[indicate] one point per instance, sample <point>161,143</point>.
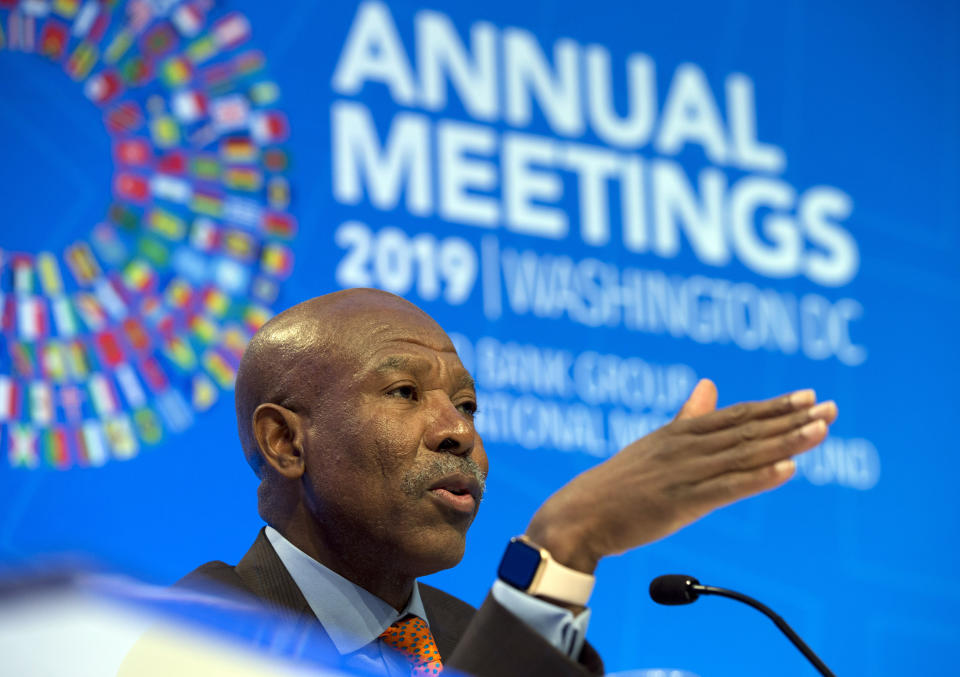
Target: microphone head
<point>674,589</point>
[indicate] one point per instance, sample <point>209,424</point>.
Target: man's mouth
<point>459,492</point>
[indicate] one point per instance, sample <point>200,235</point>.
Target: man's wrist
<point>564,541</point>
<point>531,568</point>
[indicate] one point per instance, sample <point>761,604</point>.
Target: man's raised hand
<point>704,459</point>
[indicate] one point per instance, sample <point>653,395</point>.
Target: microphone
<point>674,589</point>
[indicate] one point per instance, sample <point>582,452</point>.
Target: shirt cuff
<point>554,623</point>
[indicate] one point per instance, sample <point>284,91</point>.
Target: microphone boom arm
<point>769,613</point>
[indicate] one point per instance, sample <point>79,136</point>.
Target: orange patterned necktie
<point>411,637</point>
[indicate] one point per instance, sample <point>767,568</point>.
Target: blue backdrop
<point>602,203</point>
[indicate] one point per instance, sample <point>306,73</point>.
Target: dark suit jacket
<point>489,641</point>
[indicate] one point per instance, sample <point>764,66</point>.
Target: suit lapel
<point>448,618</point>
<point>264,574</point>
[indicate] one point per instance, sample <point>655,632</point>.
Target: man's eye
<point>469,408</point>
<point>405,392</point>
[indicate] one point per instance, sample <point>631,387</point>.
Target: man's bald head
<point>293,356</point>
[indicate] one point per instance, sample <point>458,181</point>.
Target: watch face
<point>519,565</point>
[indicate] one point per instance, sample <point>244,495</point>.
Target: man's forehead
<point>415,356</point>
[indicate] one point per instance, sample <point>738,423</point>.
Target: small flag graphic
<point>218,367</point>
<point>276,260</point>
<point>82,264</point>
<point>77,360</point>
<point>215,301</point>
<point>133,152</point>
<point>48,270</point>
<point>264,93</point>
<point>238,244</point>
<point>247,179</point>
<point>63,316</point>
<point>41,403</point>
<point>71,401</point>
<point>81,61</point>
<point>269,127</point>
<point>31,317</point>
<point>188,19</point>
<point>180,353</point>
<point>205,166</point>
<point>176,71</point>
<point>22,452</point>
<point>148,425</point>
<point>204,235</point>
<point>167,224</point>
<point>102,395</point>
<point>189,106</point>
<point>130,386</point>
<point>170,188</point>
<point>90,310</point>
<point>204,392</point>
<point>278,192</point>
<point>109,349</point>
<point>125,117</point>
<point>107,244</point>
<point>118,46</point>
<point>55,448</point>
<point>153,375</point>
<point>103,87</point>
<point>136,335</point>
<point>121,437</point>
<point>159,40</point>
<point>139,276</point>
<point>276,159</point>
<point>175,411</point>
<point>203,329</point>
<point>91,447</point>
<point>174,162</point>
<point>164,131</point>
<point>230,112</point>
<point>201,49</point>
<point>178,293</point>
<point>9,399</point>
<point>238,149</point>
<point>136,71</point>
<point>231,30</point>
<point>52,362</point>
<point>131,187</point>
<point>279,224</point>
<point>53,39</point>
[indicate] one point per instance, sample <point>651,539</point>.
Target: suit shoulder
<point>216,572</point>
<point>434,597</point>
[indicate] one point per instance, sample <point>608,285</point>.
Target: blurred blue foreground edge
<point>80,624</point>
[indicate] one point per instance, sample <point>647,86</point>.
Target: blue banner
<point>601,204</point>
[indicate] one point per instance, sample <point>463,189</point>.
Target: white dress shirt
<point>354,618</point>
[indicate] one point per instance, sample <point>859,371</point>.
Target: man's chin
<point>438,551</point>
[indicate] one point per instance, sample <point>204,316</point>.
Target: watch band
<point>558,582</point>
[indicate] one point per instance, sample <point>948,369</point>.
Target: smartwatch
<point>530,568</point>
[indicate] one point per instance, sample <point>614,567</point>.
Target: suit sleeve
<point>498,644</point>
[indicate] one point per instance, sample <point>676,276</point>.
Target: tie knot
<point>412,637</point>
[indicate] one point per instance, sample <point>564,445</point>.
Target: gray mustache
<point>415,482</point>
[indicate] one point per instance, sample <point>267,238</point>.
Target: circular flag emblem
<point>136,326</point>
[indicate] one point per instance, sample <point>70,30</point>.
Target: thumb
<point>702,400</point>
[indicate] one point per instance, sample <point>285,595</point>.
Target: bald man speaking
<point>356,414</point>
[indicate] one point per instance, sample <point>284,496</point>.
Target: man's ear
<point>280,437</point>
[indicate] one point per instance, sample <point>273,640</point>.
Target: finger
<point>739,414</point>
<point>702,400</point>
<point>761,453</point>
<point>762,429</point>
<point>734,486</point>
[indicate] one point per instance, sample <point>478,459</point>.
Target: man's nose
<point>449,430</point>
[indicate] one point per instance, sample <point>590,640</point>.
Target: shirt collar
<point>351,616</point>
